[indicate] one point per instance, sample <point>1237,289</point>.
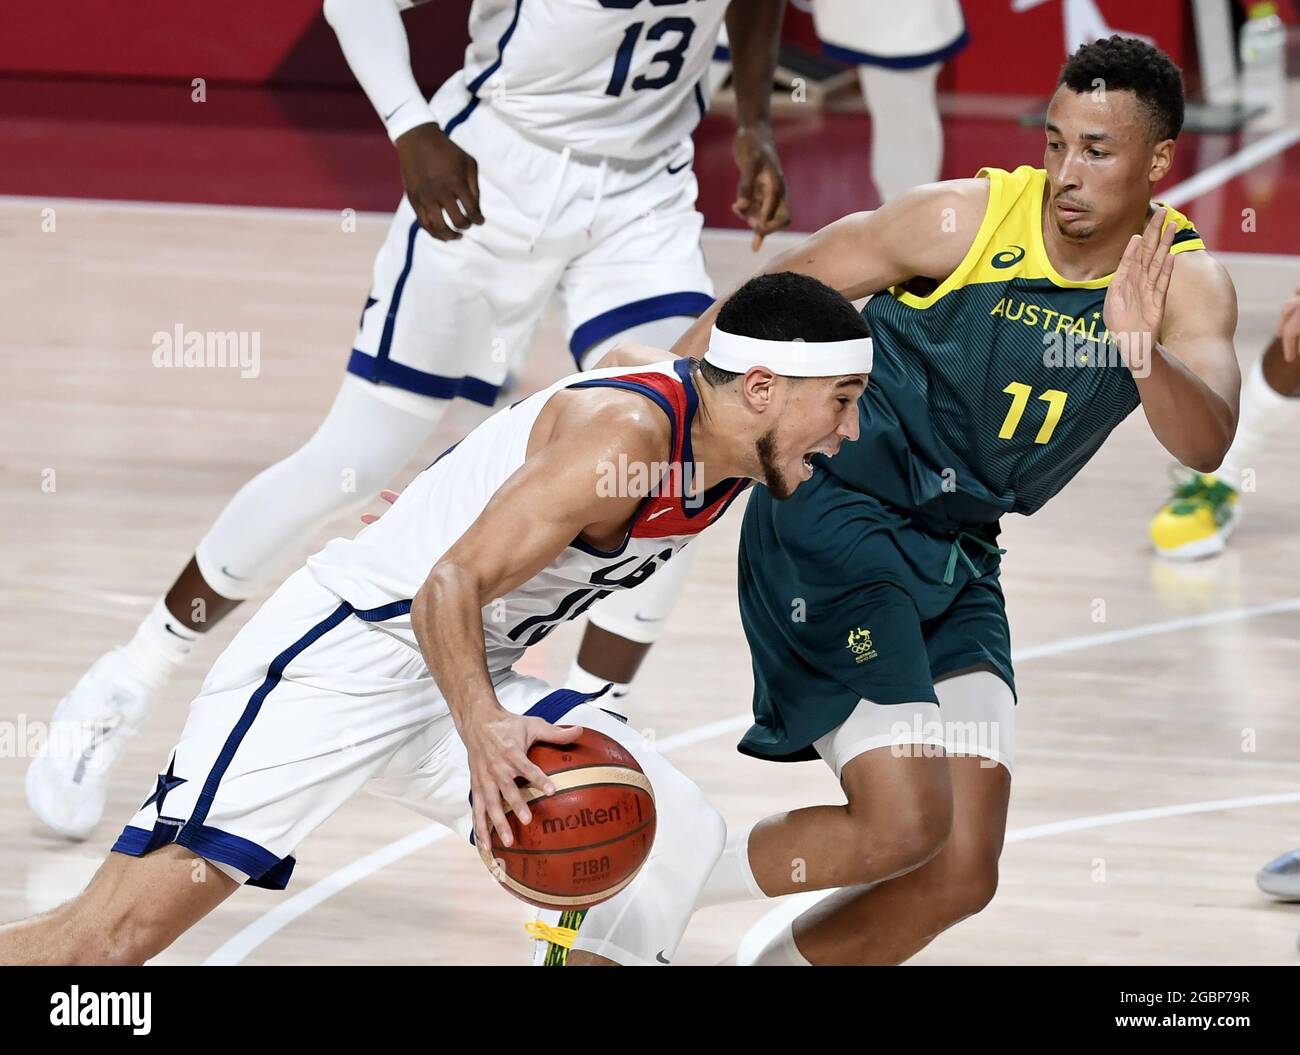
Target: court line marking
<point>1220,172</point>
<point>790,906</point>
<point>254,934</point>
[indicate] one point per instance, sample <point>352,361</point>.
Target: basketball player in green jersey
<point>1025,315</point>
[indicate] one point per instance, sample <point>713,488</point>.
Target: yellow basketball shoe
<point>1198,519</point>
<point>554,939</point>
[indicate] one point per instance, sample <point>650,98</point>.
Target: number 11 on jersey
<point>1020,393</point>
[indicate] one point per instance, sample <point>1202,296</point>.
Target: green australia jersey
<point>993,389</point>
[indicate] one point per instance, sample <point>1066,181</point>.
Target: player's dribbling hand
<point>439,178</point>
<point>1135,300</point>
<point>760,198</point>
<point>1288,328</point>
<point>498,753</point>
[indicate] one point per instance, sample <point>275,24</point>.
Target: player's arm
<point>754,37</point>
<point>1174,317</point>
<point>926,231</point>
<point>552,498</point>
<point>438,176</point>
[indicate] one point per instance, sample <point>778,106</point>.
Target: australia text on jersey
<point>1074,340</point>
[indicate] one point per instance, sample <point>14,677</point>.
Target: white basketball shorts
<point>311,701</point>
<point>897,36</point>
<point>618,242</point>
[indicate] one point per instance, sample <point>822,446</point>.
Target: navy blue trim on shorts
<point>395,301</point>
<point>555,705</point>
<point>436,386</point>
<point>379,368</point>
<point>625,316</point>
<point>699,100</point>
<point>261,866</point>
<point>273,675</point>
<point>896,62</point>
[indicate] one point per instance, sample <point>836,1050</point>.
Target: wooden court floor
<point>1159,726</point>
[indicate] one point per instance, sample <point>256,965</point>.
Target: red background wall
<point>278,42</point>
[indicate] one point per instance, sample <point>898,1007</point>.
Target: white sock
<point>1264,411</point>
<point>732,879</point>
<point>781,951</point>
<point>584,681</point>
<point>160,645</point>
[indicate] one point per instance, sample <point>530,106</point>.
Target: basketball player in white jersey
<point>389,658</point>
<point>557,161</point>
<point>899,50</point>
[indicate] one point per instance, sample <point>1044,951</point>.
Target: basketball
<point>587,841</point>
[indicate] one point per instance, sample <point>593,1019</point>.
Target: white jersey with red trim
<point>380,570</point>
<point>625,79</point>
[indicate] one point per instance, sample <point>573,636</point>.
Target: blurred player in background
<point>557,161</point>
<point>1205,508</point>
<point>899,50</point>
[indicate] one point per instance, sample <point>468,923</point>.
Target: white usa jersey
<point>624,79</point>
<point>380,570</point>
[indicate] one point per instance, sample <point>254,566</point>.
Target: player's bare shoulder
<point>606,420</point>
<point>941,222</point>
<point>1202,296</point>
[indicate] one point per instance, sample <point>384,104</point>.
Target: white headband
<point>731,351</point>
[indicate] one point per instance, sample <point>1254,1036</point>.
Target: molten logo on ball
<point>584,817</point>
<point>588,840</point>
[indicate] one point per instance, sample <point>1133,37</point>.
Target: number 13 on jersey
<point>1020,393</point>
<point>674,33</point>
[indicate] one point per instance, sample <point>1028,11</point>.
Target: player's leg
<point>890,921</point>
<point>906,133</point>
<point>897,816</point>
<point>133,908</point>
<point>898,56</point>
<point>1205,508</point>
<point>642,279</point>
<point>306,704</point>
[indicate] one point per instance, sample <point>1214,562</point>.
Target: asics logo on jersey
<point>1009,257</point>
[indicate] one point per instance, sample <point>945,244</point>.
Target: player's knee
<point>897,835</point>
<point>906,843</point>
<point>689,823</point>
<point>966,884</point>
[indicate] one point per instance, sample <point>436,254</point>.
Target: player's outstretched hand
<point>441,182</point>
<point>760,198</point>
<point>1288,328</point>
<point>498,753</point>
<point>388,496</point>
<point>1135,301</point>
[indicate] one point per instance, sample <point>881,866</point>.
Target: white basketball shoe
<point>67,781</point>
